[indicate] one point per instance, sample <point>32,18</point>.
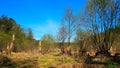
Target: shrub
<point>4,60</point>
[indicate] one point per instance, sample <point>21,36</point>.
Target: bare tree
<point>61,36</point>
<point>71,23</point>
<point>62,33</point>
<point>102,18</point>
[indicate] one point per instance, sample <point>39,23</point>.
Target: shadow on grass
<point>107,64</point>
<point>113,62</point>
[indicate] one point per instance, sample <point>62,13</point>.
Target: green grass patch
<point>66,60</point>
<point>56,54</point>
<point>43,59</point>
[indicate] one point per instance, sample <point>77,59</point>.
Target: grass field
<point>51,60</point>
<point>30,60</point>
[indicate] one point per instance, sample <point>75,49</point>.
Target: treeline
<point>24,40</point>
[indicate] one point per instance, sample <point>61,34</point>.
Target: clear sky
<point>43,16</point>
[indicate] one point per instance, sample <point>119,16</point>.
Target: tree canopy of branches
<point>61,35</point>
<point>101,16</point>
<point>71,24</point>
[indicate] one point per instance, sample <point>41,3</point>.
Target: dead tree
<point>9,47</point>
<point>112,51</point>
<point>11,44</point>
<point>40,46</point>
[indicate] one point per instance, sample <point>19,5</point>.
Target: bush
<point>4,60</point>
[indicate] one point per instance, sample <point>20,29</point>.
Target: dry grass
<point>35,60</point>
<point>51,60</point>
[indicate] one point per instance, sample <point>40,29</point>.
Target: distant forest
<point>23,37</point>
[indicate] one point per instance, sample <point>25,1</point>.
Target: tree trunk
<point>69,32</point>
<point>10,46</point>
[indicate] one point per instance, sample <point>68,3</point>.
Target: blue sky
<point>43,16</point>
